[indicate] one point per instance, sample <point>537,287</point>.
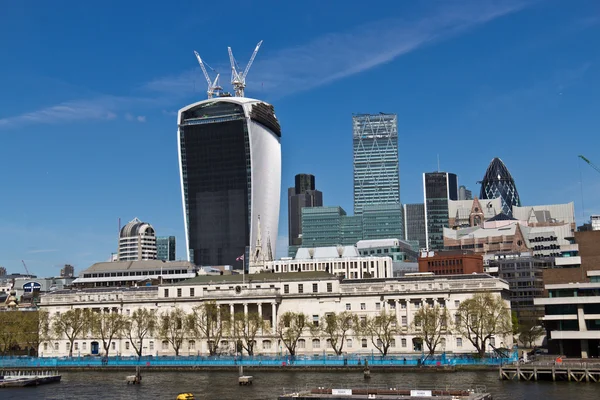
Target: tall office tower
<point>137,241</point>
<point>165,248</point>
<point>498,182</point>
<point>376,174</point>
<point>414,221</point>
<point>302,195</point>
<point>230,165</point>
<point>382,221</point>
<point>67,272</point>
<point>464,193</point>
<point>438,188</point>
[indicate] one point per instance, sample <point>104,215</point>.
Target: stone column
<point>398,316</point>
<point>245,310</point>
<point>259,305</point>
<point>274,317</point>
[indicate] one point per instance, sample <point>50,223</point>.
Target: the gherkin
<point>498,182</point>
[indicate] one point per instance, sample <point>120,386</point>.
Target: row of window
<point>137,273</point>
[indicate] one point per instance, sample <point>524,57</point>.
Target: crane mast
<point>591,164</point>
<point>238,78</point>
<point>213,86</point>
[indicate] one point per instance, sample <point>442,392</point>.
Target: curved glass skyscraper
<point>230,165</point>
<point>498,182</point>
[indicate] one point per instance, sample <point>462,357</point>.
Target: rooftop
<point>257,278</point>
<point>145,265</point>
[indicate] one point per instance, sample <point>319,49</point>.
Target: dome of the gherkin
<point>498,182</point>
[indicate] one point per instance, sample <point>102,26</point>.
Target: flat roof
<point>255,278</point>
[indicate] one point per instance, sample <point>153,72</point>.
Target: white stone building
<point>270,295</point>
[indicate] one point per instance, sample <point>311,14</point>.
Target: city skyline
<point>503,76</point>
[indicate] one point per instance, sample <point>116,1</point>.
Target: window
<point>393,343</point>
<point>126,345</point>
<point>493,341</point>
<point>301,344</point>
<point>178,292</point>
<point>45,346</point>
<point>68,346</point>
<point>363,343</point>
<point>457,319</point>
<point>165,345</point>
<point>348,307</point>
<point>316,343</point>
<point>363,306</point>
<point>363,321</point>
<point>315,287</point>
<point>151,345</point>
<point>403,342</point>
<point>166,293</point>
<point>192,345</point>
<point>329,287</point>
<point>458,342</point>
<point>192,292</point>
<point>84,346</point>
<point>403,305</point>
<point>417,304</point>
<point>286,289</point>
<point>266,344</point>
<point>404,320</point>
<point>456,303</point>
<point>56,346</point>
<point>315,320</point>
<point>348,342</point>
<point>300,288</point>
<point>378,306</point>
<point>76,346</point>
<point>114,345</point>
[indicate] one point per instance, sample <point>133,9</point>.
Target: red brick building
<point>451,262</point>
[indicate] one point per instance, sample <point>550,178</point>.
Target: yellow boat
<point>185,396</point>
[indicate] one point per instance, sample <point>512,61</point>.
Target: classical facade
<point>270,296</point>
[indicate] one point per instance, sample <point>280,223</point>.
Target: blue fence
<point>228,361</point>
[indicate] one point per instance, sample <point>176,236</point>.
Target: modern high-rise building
<point>438,188</point>
<point>230,166</point>
<point>498,182</point>
<point>376,173</point>
<point>321,226</point>
<point>67,272</point>
<point>137,241</point>
<point>382,221</point>
<point>165,248</point>
<point>464,193</point>
<point>414,222</point>
<point>302,195</point>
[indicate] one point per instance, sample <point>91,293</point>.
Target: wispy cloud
<point>139,118</point>
<point>323,60</point>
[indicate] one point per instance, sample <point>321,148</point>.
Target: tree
<point>245,328</point>
<point>71,324</point>
<point>290,328</point>
<point>108,326</point>
<point>530,331</point>
<point>336,328</point>
<point>34,329</point>
<point>208,321</point>
<point>482,316</point>
<point>430,323</point>
<point>138,326</point>
<point>382,329</point>
<point>173,328</point>
<point>9,330</point>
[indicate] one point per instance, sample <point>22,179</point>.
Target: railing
<point>256,361</point>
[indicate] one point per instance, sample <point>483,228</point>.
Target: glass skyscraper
<point>230,165</point>
<point>376,174</point>
<point>302,195</point>
<point>498,182</point>
<point>165,248</point>
<point>382,221</point>
<point>438,188</point>
<point>414,221</point>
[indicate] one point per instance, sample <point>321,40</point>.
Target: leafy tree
<point>34,329</point>
<point>245,328</point>
<point>430,323</point>
<point>208,321</point>
<point>482,316</point>
<point>530,331</point>
<point>9,330</point>
<point>382,329</point>
<point>72,324</point>
<point>108,326</point>
<point>173,328</point>
<point>141,323</point>
<point>336,328</point>
<point>290,328</point>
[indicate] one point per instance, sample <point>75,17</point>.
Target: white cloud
<point>141,118</point>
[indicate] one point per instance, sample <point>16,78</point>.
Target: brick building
<point>450,262</point>
<point>589,259</point>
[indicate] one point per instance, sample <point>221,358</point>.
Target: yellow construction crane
<point>590,163</point>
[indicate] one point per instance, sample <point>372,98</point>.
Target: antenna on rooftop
<point>213,86</point>
<point>238,78</point>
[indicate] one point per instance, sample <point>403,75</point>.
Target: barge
<point>28,378</point>
<point>375,393</point>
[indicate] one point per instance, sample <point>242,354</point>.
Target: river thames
<point>268,385</point>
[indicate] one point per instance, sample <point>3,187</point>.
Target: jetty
<point>569,371</point>
<point>386,393</point>
<point>27,378</point>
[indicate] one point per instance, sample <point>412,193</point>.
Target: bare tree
<point>108,326</point>
<point>430,323</point>
<point>245,328</point>
<point>173,328</point>
<point>71,324</point>
<point>530,331</point>
<point>482,316</point>
<point>208,321</point>
<point>336,328</point>
<point>290,328</point>
<point>141,323</point>
<point>382,329</point>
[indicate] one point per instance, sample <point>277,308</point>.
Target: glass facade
<point>351,230</point>
<point>321,226</point>
<point>414,220</point>
<point>302,195</point>
<point>439,187</point>
<point>215,166</point>
<point>498,182</point>
<point>382,221</point>
<point>376,174</point>
<point>165,248</point>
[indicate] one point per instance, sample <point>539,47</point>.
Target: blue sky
<point>88,96</point>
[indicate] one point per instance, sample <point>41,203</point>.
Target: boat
<point>387,393</point>
<point>185,396</point>
<point>28,378</point>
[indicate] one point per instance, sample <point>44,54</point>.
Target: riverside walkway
<point>567,370</point>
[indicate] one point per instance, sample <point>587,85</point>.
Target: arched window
<point>151,345</point>
<point>165,345</point>
<point>192,345</point>
<point>301,344</point>
<point>316,343</point>
<point>266,344</point>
